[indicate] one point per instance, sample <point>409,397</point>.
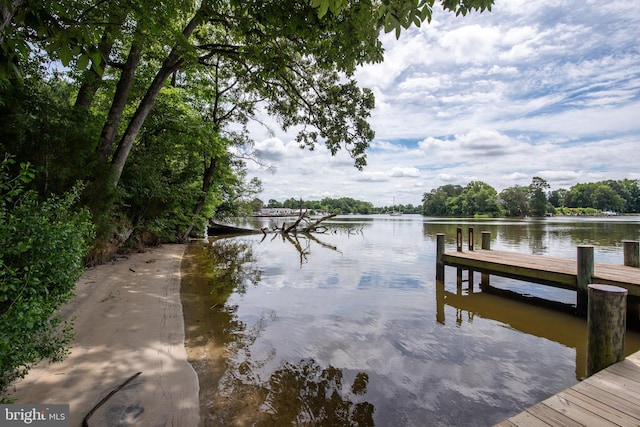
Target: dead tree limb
<point>315,225</point>
<point>295,224</point>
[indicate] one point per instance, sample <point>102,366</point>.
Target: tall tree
<point>515,200</point>
<point>538,196</point>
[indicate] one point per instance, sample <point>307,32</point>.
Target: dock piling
<point>471,238</point>
<point>459,239</point>
<point>606,326</point>
<point>630,248</point>
<point>439,256</point>
<point>584,274</point>
<point>486,240</point>
<point>486,245</point>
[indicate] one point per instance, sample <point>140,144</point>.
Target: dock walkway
<point>607,398</point>
<point>558,272</point>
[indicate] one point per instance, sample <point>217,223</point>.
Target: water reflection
<point>342,328</point>
<point>530,319</point>
<point>306,394</point>
<point>551,236</point>
<point>220,349</point>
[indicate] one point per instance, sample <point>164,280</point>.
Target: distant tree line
<point>343,205</point>
<point>480,199</point>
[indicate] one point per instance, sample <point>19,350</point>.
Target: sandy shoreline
<point>128,319</point>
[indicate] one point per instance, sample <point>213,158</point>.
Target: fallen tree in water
<point>307,227</point>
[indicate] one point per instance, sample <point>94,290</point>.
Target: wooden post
<point>459,239</point>
<point>630,248</point>
<point>439,256</point>
<point>584,275</point>
<point>486,240</point>
<point>606,325</point>
<point>631,259</point>
<point>486,245</point>
<point>440,301</point>
<point>471,238</point>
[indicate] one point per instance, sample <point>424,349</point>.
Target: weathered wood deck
<point>558,272</point>
<point>611,397</point>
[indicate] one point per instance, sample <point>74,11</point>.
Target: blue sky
<point>549,89</point>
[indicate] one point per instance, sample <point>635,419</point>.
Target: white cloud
<point>398,172</point>
<point>548,89</point>
<point>471,43</point>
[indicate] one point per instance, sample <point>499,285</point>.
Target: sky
<point>533,88</point>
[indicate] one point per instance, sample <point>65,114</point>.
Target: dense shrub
<point>42,244</point>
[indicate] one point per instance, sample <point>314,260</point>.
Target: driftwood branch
<point>85,420</point>
<point>295,224</point>
<point>316,224</point>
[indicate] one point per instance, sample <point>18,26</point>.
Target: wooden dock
<point>558,272</point>
<point>609,398</point>
<point>573,274</point>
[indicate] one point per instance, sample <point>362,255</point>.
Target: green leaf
<point>65,55</point>
<point>323,9</point>
<point>83,61</point>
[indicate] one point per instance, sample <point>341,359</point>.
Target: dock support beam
<point>486,245</point>
<point>439,257</point>
<point>630,248</point>
<point>606,325</point>
<point>486,240</point>
<point>585,266</point>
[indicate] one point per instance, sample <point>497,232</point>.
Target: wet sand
<point>128,319</point>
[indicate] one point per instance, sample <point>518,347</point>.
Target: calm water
<point>350,328</point>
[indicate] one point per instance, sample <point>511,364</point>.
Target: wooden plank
<point>576,412</point>
<point>526,419</point>
<point>607,411</point>
<point>608,406</point>
<point>506,423</point>
<point>609,398</point>
<point>558,272</point>
<point>626,369</point>
<point>619,385</point>
<point>606,397</point>
<point>529,267</point>
<point>619,273</point>
<point>634,358</point>
<point>551,416</point>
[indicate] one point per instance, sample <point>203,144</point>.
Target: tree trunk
<point>93,76</point>
<point>206,186</point>
<point>7,14</point>
<point>119,101</point>
<point>171,64</point>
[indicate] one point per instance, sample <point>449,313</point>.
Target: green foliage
<point>201,69</point>
<point>164,177</point>
<point>343,205</point>
<point>617,196</point>
<point>43,244</point>
<point>399,15</point>
<point>538,196</point>
<point>60,27</point>
<point>435,202</point>
<point>515,201</point>
<point>577,211</point>
<point>581,199</point>
<point>40,126</point>
<point>477,198</point>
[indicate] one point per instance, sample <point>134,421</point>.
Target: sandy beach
<point>128,319</point>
